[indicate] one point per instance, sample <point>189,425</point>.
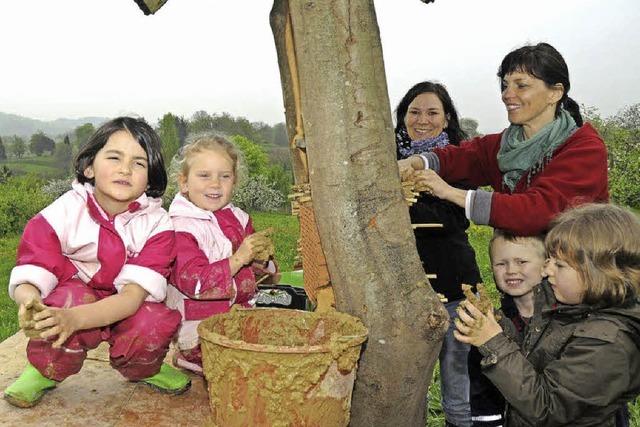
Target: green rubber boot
<point>169,380</point>
<point>29,388</point>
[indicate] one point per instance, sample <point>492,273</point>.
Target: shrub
<point>20,199</point>
<point>55,188</point>
<point>257,193</point>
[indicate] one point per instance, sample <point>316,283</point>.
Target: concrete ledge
<point>99,396</point>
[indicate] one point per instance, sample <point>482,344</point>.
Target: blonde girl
<point>216,247</point>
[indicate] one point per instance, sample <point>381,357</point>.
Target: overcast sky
<point>74,58</point>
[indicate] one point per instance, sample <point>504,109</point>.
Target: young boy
<point>517,264</point>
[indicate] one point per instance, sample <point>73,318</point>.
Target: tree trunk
<point>362,218</point>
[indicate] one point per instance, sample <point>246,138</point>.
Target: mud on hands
<point>476,323</point>
<point>26,320</point>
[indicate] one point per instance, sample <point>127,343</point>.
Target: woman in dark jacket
<point>426,119</point>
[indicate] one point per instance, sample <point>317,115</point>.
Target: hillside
<point>13,124</point>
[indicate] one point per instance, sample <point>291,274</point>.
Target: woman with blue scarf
<point>426,119</point>
<point>546,161</point>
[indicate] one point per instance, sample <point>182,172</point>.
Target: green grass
<point>285,235</point>
<point>8,309</point>
<point>44,166</point>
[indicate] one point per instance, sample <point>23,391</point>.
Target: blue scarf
<point>407,147</point>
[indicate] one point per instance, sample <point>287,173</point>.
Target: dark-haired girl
<point>426,119</point>
<point>92,267</point>
<point>544,163</point>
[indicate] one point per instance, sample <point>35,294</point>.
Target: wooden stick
<point>262,279</point>
<point>414,226</point>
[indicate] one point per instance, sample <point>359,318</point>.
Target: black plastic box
<point>281,296</point>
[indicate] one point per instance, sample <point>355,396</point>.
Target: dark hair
<point>543,62</point>
<point>453,130</point>
<point>141,132</point>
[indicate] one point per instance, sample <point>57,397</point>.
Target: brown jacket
<point>577,366</point>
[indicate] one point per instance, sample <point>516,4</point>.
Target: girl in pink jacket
<point>92,267</point>
<point>215,265</point>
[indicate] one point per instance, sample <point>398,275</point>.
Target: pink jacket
<point>201,280</point>
<point>74,238</point>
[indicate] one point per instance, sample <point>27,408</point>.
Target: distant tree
<point>66,140</point>
<point>63,154</point>
<point>168,132</point>
<point>39,143</point>
<point>182,125</point>
<point>19,147</point>
<point>621,134</point>
<point>254,156</point>
<point>280,134</point>
<point>264,131</point>
<point>258,132</point>
<point>282,179</point>
<point>470,127</point>
<point>82,134</point>
<point>200,122</point>
<point>3,153</point>
<point>629,118</point>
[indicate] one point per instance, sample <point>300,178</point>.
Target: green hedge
<point>20,199</point>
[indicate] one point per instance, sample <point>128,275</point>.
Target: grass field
<point>44,166</point>
<point>286,235</point>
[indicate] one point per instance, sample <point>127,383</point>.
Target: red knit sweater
<point>576,174</point>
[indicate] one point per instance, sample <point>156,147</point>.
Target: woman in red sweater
<point>546,161</point>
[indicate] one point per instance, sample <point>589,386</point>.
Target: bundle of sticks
<point>411,189</point>
<point>300,193</point>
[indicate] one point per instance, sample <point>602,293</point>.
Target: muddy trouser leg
<point>454,375</point>
<point>140,343</point>
<point>59,363</point>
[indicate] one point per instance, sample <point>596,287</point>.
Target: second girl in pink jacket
<point>215,243</point>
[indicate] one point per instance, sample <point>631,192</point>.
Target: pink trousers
<point>138,344</point>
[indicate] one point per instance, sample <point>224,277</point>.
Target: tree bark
<point>362,217</point>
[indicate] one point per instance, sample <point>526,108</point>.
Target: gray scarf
<point>518,155</point>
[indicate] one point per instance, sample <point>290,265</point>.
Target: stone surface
<point>99,396</point>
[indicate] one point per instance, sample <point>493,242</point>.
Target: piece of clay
<point>483,302</point>
<point>27,323</point>
<point>269,250</point>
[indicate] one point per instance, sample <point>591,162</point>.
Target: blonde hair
<point>199,143</point>
<point>536,241</point>
<point>602,243</point>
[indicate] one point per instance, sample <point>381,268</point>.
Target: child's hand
<point>266,275</point>
<point>56,321</point>
<point>26,312</point>
<point>474,327</point>
<point>250,247</point>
